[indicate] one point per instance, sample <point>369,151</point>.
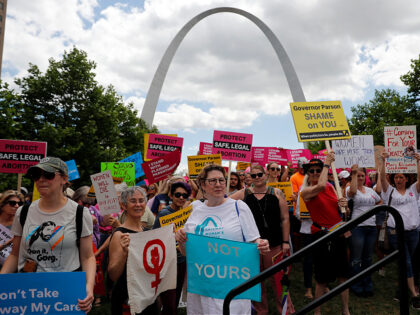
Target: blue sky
<point>225,75</point>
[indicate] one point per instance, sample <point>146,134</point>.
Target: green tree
<point>389,108</point>
<point>79,118</point>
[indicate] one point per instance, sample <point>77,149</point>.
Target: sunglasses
<point>178,195</point>
<point>316,170</point>
<point>37,173</point>
<point>258,174</point>
<point>14,203</point>
<point>274,169</point>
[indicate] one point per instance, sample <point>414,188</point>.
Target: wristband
<point>326,165</point>
<point>285,242</point>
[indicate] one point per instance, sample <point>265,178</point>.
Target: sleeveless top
<point>267,215</point>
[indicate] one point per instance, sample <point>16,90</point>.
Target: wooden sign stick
<point>336,182</point>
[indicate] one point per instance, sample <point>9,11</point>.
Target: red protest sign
<point>205,148</point>
<point>160,145</point>
<point>232,146</point>
<point>264,155</point>
<point>259,155</point>
<point>16,156</point>
<point>160,168</point>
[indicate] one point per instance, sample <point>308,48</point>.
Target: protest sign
<point>178,218</point>
<point>294,155</point>
<point>5,237</point>
<point>42,292</point>
<point>319,157</point>
<point>379,149</point>
<point>160,145</point>
<point>259,155</point>
<point>73,172</point>
<point>151,266</point>
<point>197,162</point>
<point>215,266</point>
<point>401,145</point>
<point>205,148</point>
<point>357,150</point>
<point>16,156</point>
<point>232,146</point>
<point>303,210</point>
<point>160,168</point>
<point>242,166</point>
<point>137,159</point>
<point>287,189</point>
<point>315,121</point>
<point>277,155</point>
<point>146,142</point>
<point>105,192</point>
<point>124,170</point>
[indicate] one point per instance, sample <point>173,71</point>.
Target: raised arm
<point>353,184</point>
<point>384,181</point>
<point>310,192</point>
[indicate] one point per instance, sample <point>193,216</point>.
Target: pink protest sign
<point>319,157</point>
<point>294,155</point>
<point>205,148</point>
<point>160,168</point>
<point>160,145</point>
<point>276,155</point>
<point>16,156</point>
<point>232,146</point>
<point>401,144</point>
<point>259,155</point>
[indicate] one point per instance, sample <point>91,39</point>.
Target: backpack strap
<point>237,212</point>
<point>79,224</point>
<point>24,214</point>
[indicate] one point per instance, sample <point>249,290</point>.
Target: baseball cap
<point>50,164</point>
<point>343,174</point>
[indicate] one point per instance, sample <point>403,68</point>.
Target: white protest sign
<point>5,236</point>
<point>357,150</point>
<point>401,145</point>
<point>105,192</point>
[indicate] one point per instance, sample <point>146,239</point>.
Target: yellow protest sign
<point>197,162</point>
<point>286,188</point>
<point>146,143</point>
<point>303,211</point>
<point>35,193</point>
<point>178,218</point>
<point>242,166</point>
<point>315,121</point>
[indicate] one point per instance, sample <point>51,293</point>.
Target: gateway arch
<point>153,94</point>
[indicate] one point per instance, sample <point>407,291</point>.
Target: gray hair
<point>121,187</point>
<point>127,193</point>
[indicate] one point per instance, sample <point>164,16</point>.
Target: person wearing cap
<point>345,179</point>
<point>32,242</point>
<point>330,259</point>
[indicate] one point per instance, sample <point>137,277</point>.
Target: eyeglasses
<point>213,181</point>
<point>14,203</point>
<point>258,174</point>
<point>178,195</point>
<point>274,169</point>
<point>316,170</point>
<point>37,173</point>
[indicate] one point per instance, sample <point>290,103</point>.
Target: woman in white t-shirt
<point>363,237</point>
<point>47,239</point>
<point>404,198</point>
<point>218,217</point>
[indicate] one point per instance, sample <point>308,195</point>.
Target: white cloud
<point>337,48</point>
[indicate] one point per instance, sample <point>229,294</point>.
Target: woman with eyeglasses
<point>54,250</point>
<point>330,260</point>
<point>271,214</point>
<point>234,222</point>
<point>133,201</point>
<point>179,194</point>
<point>10,201</point>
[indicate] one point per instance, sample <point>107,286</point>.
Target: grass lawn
<point>381,303</point>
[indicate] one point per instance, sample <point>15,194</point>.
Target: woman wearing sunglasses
<point>219,217</point>
<point>179,194</point>
<point>273,173</point>
<point>330,260</point>
<point>271,215</point>
<point>10,201</point>
<point>55,250</point>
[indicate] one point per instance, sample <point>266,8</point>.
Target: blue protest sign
<point>73,172</point>
<point>215,266</point>
<point>137,159</point>
<point>42,292</point>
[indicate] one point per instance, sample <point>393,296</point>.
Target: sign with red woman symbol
<point>154,259</point>
<point>151,266</point>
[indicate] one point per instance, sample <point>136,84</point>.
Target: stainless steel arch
<point>152,97</point>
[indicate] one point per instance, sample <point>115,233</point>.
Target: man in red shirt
<point>330,260</point>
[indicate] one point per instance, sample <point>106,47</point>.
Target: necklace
<point>262,210</point>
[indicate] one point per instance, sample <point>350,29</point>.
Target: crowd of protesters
<point>99,246</point>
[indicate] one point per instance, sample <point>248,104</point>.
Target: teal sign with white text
<point>215,266</point>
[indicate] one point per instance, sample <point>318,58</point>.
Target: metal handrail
<point>400,252</point>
